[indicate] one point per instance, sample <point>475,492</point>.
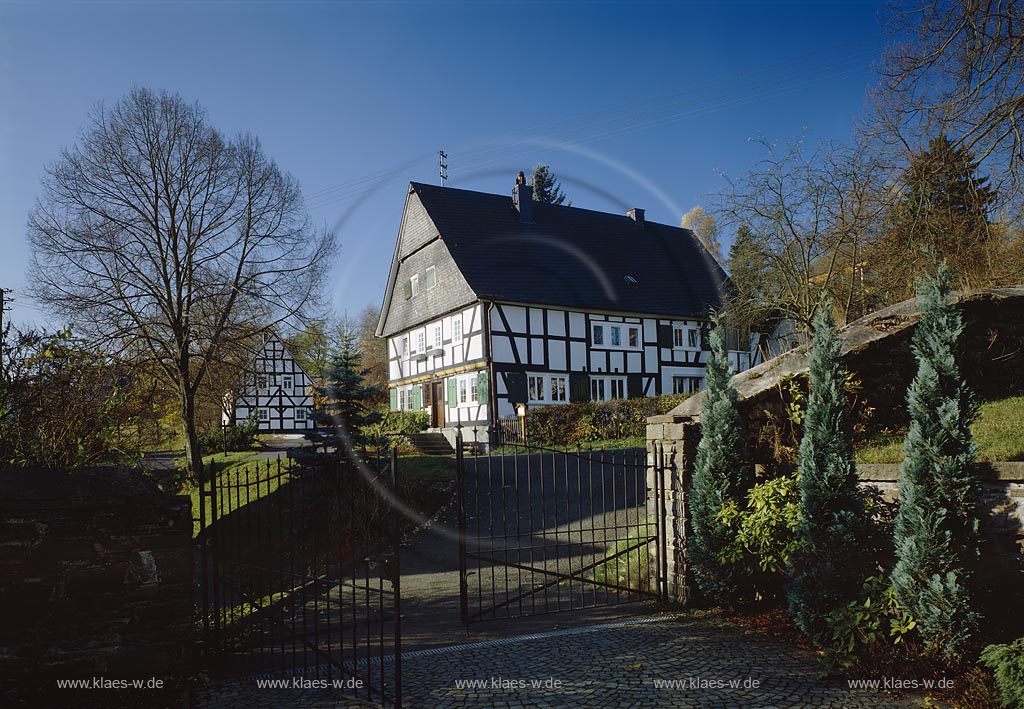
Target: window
<point>616,336</point>
<point>634,337</point>
<point>437,336</point>
<point>686,385</point>
<point>299,414</point>
<point>405,347</point>
<point>287,382</point>
<point>467,389</point>
<point>598,338</point>
<point>403,400</point>
<point>457,328</point>
<point>430,280</point>
<point>692,338</point>
<point>677,337</point>
<point>597,389</point>
<point>421,342</point>
<point>263,414</point>
<point>558,388</point>
<point>414,285</point>
<point>618,388</point>
<point>536,387</point>
<point>261,382</point>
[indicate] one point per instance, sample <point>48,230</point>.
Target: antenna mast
<point>441,157</point>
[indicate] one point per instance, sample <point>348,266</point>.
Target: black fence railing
<point>547,531</point>
<point>300,573</point>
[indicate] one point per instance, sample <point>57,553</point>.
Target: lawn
<point>997,430</point>
<point>605,444</point>
<point>224,466</point>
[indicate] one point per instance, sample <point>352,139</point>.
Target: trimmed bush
<point>936,533</point>
<point>239,437</point>
<point>579,422</point>
<point>722,474</point>
<point>824,569</point>
<point>1007,664</point>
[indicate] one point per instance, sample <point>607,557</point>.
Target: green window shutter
<point>453,393</point>
<point>515,383</point>
<point>417,397</point>
<point>483,387</point>
<point>394,399</point>
<point>579,386</point>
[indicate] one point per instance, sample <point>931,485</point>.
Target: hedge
<point>568,424</point>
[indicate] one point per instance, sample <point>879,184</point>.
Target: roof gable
<point>573,257</point>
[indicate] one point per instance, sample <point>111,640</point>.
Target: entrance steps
<point>431,443</point>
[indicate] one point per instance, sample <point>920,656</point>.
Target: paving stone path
<point>714,664</point>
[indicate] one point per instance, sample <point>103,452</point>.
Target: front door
<point>437,404</point>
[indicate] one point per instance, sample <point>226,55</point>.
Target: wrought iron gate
<point>300,573</point>
<point>547,531</point>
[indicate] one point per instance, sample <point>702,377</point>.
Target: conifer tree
<point>348,396</point>
<point>546,187</point>
<point>936,532</point>
<point>722,472</point>
<point>823,569</point>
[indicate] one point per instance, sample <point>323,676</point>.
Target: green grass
<point>223,466</point>
<point>426,468</point>
<point>631,569</point>
<point>998,431</point>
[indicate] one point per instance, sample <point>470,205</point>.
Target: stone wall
<point>96,575</point>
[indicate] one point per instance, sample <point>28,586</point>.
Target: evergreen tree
<point>936,531</point>
<point>546,187</point>
<point>347,395</point>
<point>748,271</point>
<point>824,572</point>
<point>722,472</point>
<point>942,216</point>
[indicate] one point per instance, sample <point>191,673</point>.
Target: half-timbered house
<point>274,391</point>
<point>493,302</point>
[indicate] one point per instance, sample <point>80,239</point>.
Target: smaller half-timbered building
<point>274,391</point>
<point>494,302</point>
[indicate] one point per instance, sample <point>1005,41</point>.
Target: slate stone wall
<point>96,573</point>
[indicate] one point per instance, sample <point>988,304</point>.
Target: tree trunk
<point>193,456</point>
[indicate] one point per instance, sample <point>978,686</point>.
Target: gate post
<point>460,503</point>
<point>396,576</point>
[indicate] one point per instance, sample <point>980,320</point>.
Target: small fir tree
<point>722,475</point>
<point>936,533</point>
<point>546,187</point>
<point>347,395</point>
<point>824,572</point>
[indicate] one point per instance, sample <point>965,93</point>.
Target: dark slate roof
<point>573,257</point>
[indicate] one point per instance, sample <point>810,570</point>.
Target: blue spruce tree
<point>936,533</point>
<point>348,397</point>
<point>722,472</point>
<point>823,567</point>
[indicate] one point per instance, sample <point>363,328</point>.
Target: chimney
<point>636,214</point>
<point>522,198</point>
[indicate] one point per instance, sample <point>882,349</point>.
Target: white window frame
<point>428,281</point>
<point>262,382</point>
<point>686,384</point>
<point>692,338</point>
<point>597,389</point>
<point>677,337</point>
<point>288,382</point>
<point>617,387</point>
<point>414,285</point>
<point>615,335</point>
<point>537,388</point>
<point>299,413</point>
<point>405,347</point>
<point>421,342</point>
<point>438,337</point>
<point>263,414</point>
<point>633,337</point>
<point>457,329</point>
<point>466,394</point>
<point>559,388</point>
<point>597,339</point>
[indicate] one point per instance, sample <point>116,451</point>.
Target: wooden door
<point>437,404</point>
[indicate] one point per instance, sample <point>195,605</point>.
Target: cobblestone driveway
<point>618,665</point>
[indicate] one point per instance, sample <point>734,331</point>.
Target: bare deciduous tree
<point>807,216</point>
<point>157,235</point>
<point>705,229</point>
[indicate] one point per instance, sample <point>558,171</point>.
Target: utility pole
<point>441,157</point>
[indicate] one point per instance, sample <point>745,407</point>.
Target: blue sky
<point>637,104</point>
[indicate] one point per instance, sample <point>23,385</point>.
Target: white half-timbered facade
<point>275,391</point>
<point>492,303</point>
